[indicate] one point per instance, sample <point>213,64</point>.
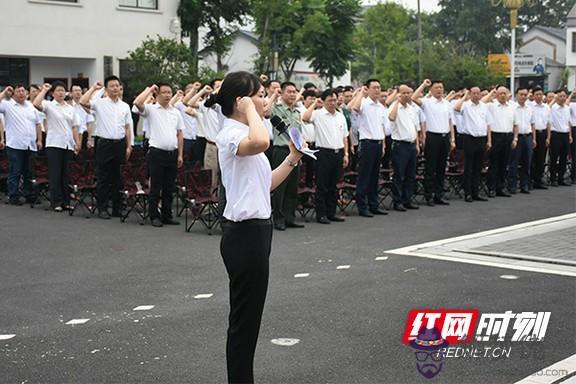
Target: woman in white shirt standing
<point>62,139</point>
<point>247,227</point>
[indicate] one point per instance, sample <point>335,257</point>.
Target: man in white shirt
<point>331,135</point>
<point>23,126</point>
<point>573,145</point>
<point>86,119</point>
<point>476,140</point>
<point>503,128</point>
<point>371,126</point>
<point>405,148</point>
<point>525,136</point>
<point>166,150</point>
<point>541,112</point>
<point>560,139</point>
<point>309,98</point>
<point>439,139</point>
<point>114,131</point>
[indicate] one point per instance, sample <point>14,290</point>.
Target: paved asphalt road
<point>55,268</point>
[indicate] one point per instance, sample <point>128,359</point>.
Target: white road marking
<point>6,337</point>
<point>425,249</point>
<point>409,269</point>
<point>381,258</point>
<point>204,296</point>
<point>343,267</point>
<point>143,308</point>
<point>554,373</point>
<point>77,321</point>
<point>509,277</point>
<point>302,275</point>
<point>285,342</point>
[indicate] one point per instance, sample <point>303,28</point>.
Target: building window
<point>573,41</point>
<point>14,71</point>
<point>143,4</point>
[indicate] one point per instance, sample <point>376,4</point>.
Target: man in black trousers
<point>114,132</point>
<point>331,135</point>
<point>541,112</point>
<point>439,139</point>
<point>560,139</point>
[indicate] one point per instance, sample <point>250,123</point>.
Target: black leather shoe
<point>399,208</point>
<point>479,198</point>
<point>104,215</point>
<point>441,202</point>
<point>563,184</point>
<point>156,222</point>
<point>378,211</point>
<point>554,184</point>
<point>430,203</point>
<point>503,194</point>
<point>468,199</point>
<point>540,186</point>
<point>337,219</point>
<point>280,226</point>
<point>365,213</point>
<point>525,191</point>
<point>512,191</point>
<point>491,194</point>
<point>116,213</point>
<point>323,220</point>
<point>294,225</point>
<point>411,206</point>
<point>170,222</point>
<point>15,201</point>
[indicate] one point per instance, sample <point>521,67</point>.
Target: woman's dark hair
<point>236,84</point>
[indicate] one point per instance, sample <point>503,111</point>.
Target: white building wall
<point>571,58</point>
<point>89,29</point>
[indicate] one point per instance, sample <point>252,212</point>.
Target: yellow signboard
<point>499,63</point>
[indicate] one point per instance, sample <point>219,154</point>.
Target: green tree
<point>162,60</point>
<point>219,16</point>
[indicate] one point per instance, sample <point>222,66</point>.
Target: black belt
<point>111,140</point>
<point>438,134</point>
<point>559,133</point>
<point>247,222</point>
<point>472,136</point>
<point>331,149</point>
<point>501,133</point>
<point>403,142</point>
<point>163,150</point>
<point>524,134</point>
<point>371,141</point>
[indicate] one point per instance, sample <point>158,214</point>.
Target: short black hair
<point>213,81</point>
<point>436,81</point>
<point>537,89</point>
<point>268,83</point>
<point>287,84</point>
<point>348,88</point>
<point>370,81</point>
<point>57,84</point>
<point>75,85</point>
<point>236,84</point>
<point>35,86</point>
<point>521,89</point>
<point>309,85</point>
<point>327,93</point>
<point>111,78</point>
<point>308,93</point>
<point>163,84</point>
<point>19,85</point>
<point>562,90</point>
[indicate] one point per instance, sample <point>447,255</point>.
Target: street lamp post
<point>513,6</point>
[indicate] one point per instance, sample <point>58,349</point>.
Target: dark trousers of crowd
<point>435,154</point>
<point>559,149</point>
<point>58,159</point>
<point>328,170</point>
<point>19,172</point>
<point>499,159</point>
<point>245,249</point>
<point>474,149</point>
<point>309,166</point>
<point>110,155</point>
<point>387,158</point>
<point>369,159</point>
<point>404,157</point>
<point>285,196</point>
<point>163,167</point>
<point>539,159</point>
<point>194,150</point>
<point>573,156</point>
<point>520,157</point>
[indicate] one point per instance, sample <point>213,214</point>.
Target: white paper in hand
<point>299,142</point>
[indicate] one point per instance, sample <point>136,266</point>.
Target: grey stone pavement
<point>349,320</point>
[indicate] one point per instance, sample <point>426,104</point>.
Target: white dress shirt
<point>541,114</point>
<point>370,121</point>
<point>503,116</point>
<point>438,114</point>
<point>524,119</point>
<point>573,114</point>
<point>405,127</point>
<point>61,119</point>
<point>111,118</point>
<point>20,122</point>
<point>307,128</point>
<point>330,128</point>
<point>247,179</point>
<point>456,116</point>
<point>475,119</point>
<point>212,120</point>
<point>190,122</point>
<point>143,121</point>
<point>164,124</point>
<point>560,118</point>
<point>84,118</point>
